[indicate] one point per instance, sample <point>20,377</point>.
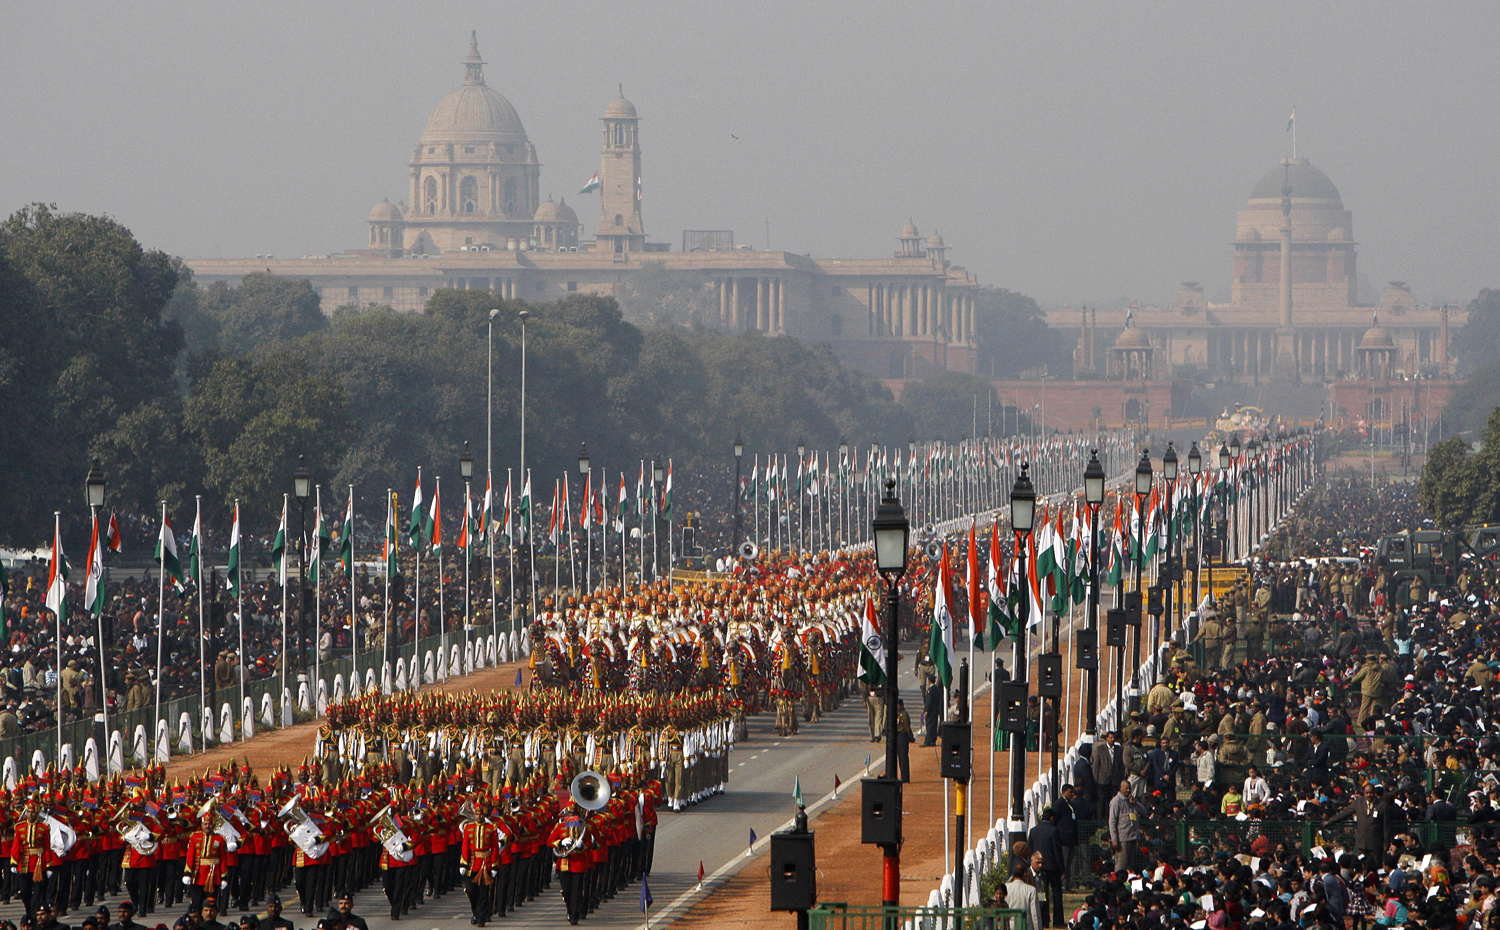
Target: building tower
<point>620,227</point>
<point>1286,365</point>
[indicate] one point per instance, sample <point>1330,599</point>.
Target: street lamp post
<point>739,453</point>
<point>1234,504</point>
<point>1220,493</point>
<point>301,489</point>
<point>1022,518</point>
<point>1169,475</point>
<point>489,468</point>
<point>1143,478</point>
<point>1195,468</point>
<point>658,474</point>
<point>1093,495</point>
<point>524,477</point>
<point>93,485</point>
<point>588,533</point>
<point>466,472</point>
<point>892,532</point>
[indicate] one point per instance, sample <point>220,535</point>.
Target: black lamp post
<point>1220,493</point>
<point>658,475</point>
<point>739,453</point>
<point>1169,475</point>
<point>302,490</point>
<point>843,492</point>
<point>1234,504</point>
<point>93,486</point>
<point>1093,495</point>
<point>1195,468</point>
<point>892,532</point>
<point>1022,518</point>
<point>1143,478</point>
<point>466,472</point>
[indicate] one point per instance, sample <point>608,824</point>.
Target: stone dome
<point>475,113</point>
<point>909,231</point>
<point>385,212</point>
<point>565,213</point>
<point>1376,337</point>
<point>547,212</point>
<point>1132,338</point>
<point>1307,182</point>
<point>935,241</point>
<point>620,108</point>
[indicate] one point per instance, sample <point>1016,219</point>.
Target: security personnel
<point>479,863</point>
<point>207,856</point>
<point>31,857</point>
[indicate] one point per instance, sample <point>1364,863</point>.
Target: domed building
<point>475,177</point>
<point>1323,256</point>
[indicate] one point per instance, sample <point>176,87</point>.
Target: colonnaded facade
<point>474,217</point>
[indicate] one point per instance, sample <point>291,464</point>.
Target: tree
<point>1478,341</point>
<point>1472,402</point>
<point>656,296</point>
<point>943,406</point>
<point>1013,336</point>
<point>264,310</point>
<point>1446,488</point>
<point>84,344</point>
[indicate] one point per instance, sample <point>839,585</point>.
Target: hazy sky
<point>1073,151</point>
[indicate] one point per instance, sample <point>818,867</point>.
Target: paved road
<point>715,832</point>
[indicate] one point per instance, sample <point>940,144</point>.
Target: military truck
<point>1432,556</point>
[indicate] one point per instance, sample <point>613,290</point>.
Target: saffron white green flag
<point>57,579</point>
<point>871,647</point>
<point>940,646</point>
<point>525,514</point>
<point>232,576</point>
<point>417,526</point>
<point>591,185</point>
<point>278,547</point>
<point>93,591</point>
<point>166,551</point>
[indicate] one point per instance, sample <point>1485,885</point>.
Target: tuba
<point>573,840</point>
<point>590,791</point>
<point>135,833</point>
<point>302,829</point>
<point>384,828</point>
<point>748,551</point>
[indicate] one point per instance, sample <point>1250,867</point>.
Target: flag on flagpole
<point>320,540</point>
<point>646,899</point>
<point>487,512</point>
<point>435,521</point>
<point>166,550</point>
<point>93,591</point>
<point>797,791</point>
<point>195,550</point>
<point>620,509</point>
<point>871,647</point>
<point>391,537</point>
<point>508,539</point>
<point>57,578</point>
<point>1002,622</point>
<point>556,512</point>
<point>525,517</point>
<point>1292,120</point>
<point>591,185</point>
<point>417,525</point>
<point>232,575</point>
<point>465,533</point>
<point>346,538</point>
<point>976,589</point>
<point>278,547</point>
<point>940,646</point>
<point>586,517</point>
<point>112,537</point>
<point>666,494</point>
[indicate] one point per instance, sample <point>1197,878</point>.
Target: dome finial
<point>473,65</point>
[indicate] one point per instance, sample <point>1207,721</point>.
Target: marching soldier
<point>31,856</point>
<point>479,863</point>
<point>571,844</point>
<point>207,860</point>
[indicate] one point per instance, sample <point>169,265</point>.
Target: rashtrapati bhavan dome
<point>473,216</point>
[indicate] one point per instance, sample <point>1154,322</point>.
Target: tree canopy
<point>1013,336</point>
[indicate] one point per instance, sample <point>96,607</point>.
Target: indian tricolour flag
<point>232,574</point>
<point>592,184</point>
<point>1002,624</point>
<point>166,551</point>
<point>57,578</point>
<point>93,590</point>
<point>871,647</point>
<point>940,645</point>
<point>278,547</point>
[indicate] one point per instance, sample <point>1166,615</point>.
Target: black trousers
<point>1052,882</point>
<point>903,755</point>
<point>138,885</point>
<point>574,894</point>
<point>31,891</point>
<point>481,898</point>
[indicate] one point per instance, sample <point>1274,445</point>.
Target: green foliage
<point>656,296</point>
<point>83,343</point>
<point>263,310</point>
<point>1478,340</point>
<point>1013,336</point>
<point>1472,402</point>
<point>1461,487</point>
<point>944,406</point>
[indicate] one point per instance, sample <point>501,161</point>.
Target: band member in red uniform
<point>207,861</point>
<point>31,857</point>
<point>573,848</point>
<point>479,863</point>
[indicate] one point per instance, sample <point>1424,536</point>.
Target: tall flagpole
<point>530,540</point>
<point>441,672</point>
<point>202,645</point>
<point>510,555</point>
<point>161,633</point>
<point>353,605</point>
<point>390,556</point>
<point>416,602</point>
<point>317,637</point>
<point>57,615</point>
<point>239,603</point>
